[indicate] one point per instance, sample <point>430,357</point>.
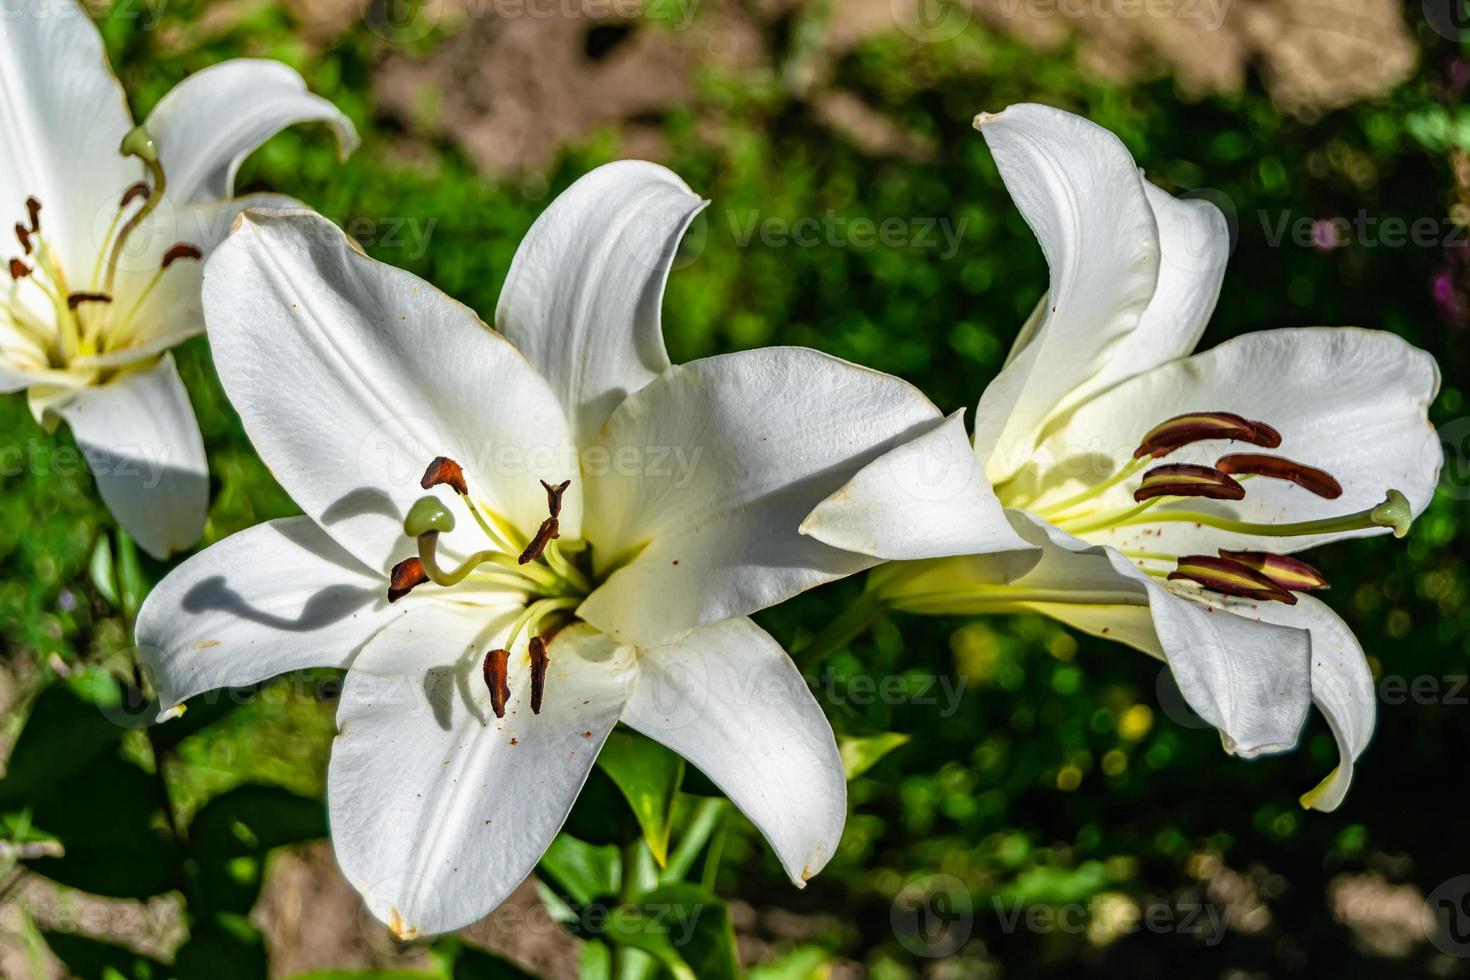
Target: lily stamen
<point>1188,480</point>
<point>18,269</point>
<point>497,679</point>
<point>1181,430</point>
<point>77,299</point>
<point>1230,577</point>
<point>550,528</point>
<point>406,576</point>
<point>539,663</point>
<point>1286,571</point>
<point>1320,482</point>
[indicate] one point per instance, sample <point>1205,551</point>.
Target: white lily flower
<point>111,224</point>
<point>1183,557</point>
<point>601,525</point>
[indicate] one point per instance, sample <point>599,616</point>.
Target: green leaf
<point>686,928</point>
<point>595,962</point>
<point>861,752</point>
<point>802,963</point>
<point>476,964</point>
<point>92,959</point>
<point>599,816</point>
<point>230,837</point>
<point>648,776</point>
<point>62,735</point>
<point>132,584</point>
<point>103,572</point>
<point>586,872</point>
<point>108,817</point>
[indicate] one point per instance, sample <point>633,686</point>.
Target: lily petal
<point>1351,402</point>
<point>277,597</point>
<point>1194,248</point>
<point>698,483</point>
<point>141,440</point>
<point>1342,687</point>
<point>212,120</point>
<point>1251,680</point>
<point>62,118</point>
<point>583,295</point>
<point>1077,187</point>
<point>168,311</point>
<point>926,499</point>
<point>351,376</point>
<point>728,698</point>
<point>439,809</point>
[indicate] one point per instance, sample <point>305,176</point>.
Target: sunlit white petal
<point>582,299</point>
<point>351,376</point>
<point>1078,189</point>
<point>212,120</point>
<point>438,808</point>
<point>728,698</point>
<point>142,443</point>
<point>697,484</point>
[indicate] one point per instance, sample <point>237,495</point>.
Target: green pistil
<point>1394,512</point>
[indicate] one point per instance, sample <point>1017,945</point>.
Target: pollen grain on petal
<point>1187,480</point>
<point>1320,482</point>
<point>445,471</point>
<point>497,679</point>
<point>406,576</point>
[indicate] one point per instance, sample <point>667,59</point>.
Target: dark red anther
<point>548,532</point>
<point>135,191</point>
<point>73,300</point>
<point>1286,571</point>
<point>553,496</point>
<point>1265,435</point>
<point>1187,480</point>
<point>23,235</point>
<point>497,679</point>
<point>1318,481</point>
<point>1230,577</point>
<point>444,470</point>
<point>183,250</point>
<point>539,662</point>
<point>33,209</point>
<point>406,576</point>
<point>18,269</point>
<point>1181,430</point>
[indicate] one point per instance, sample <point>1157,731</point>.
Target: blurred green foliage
<point>1041,768</point>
